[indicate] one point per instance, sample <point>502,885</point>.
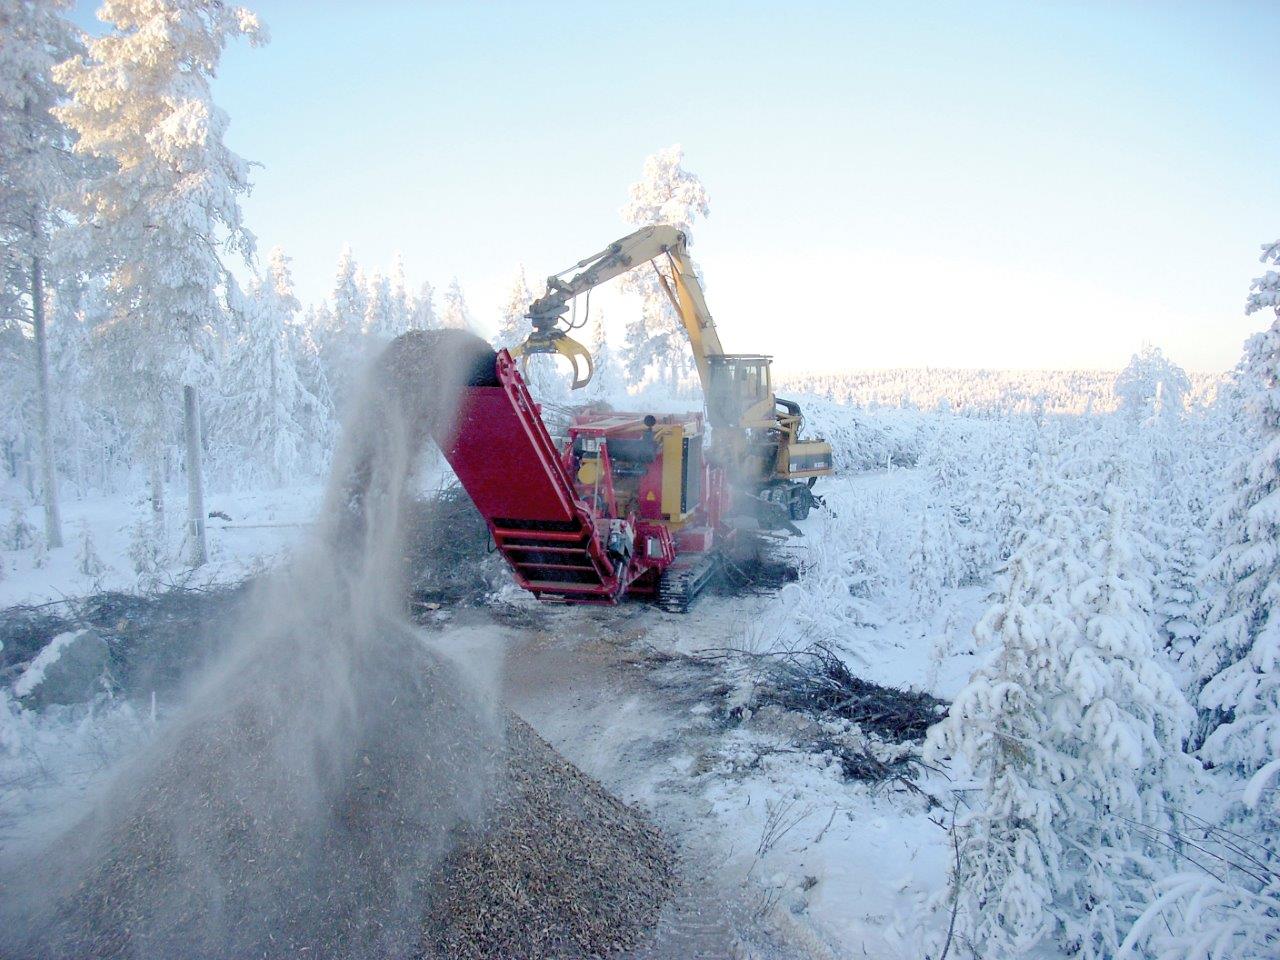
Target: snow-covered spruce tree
<point>513,325</point>
<point>1122,719</point>
<point>168,210</point>
<point>400,307</point>
<point>37,168</point>
<point>1238,656</point>
<point>377,326</point>
<point>88,430</point>
<point>1178,610</point>
<point>1008,872</point>
<point>931,562</point>
<point>545,381</point>
<point>1152,386</point>
<point>87,560</point>
<point>267,414</point>
<point>422,316</point>
<point>607,382</point>
<point>454,314</point>
<point>665,193</point>
<point>340,326</point>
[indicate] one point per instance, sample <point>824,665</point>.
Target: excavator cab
<point>740,390</point>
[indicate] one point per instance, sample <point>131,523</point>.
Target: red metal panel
<point>497,456</point>
<point>507,462</point>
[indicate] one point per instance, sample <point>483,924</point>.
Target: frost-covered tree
<point>168,210</point>
<point>267,414</point>
<point>1264,291</point>
<point>400,308</point>
<point>378,324</point>
<point>423,314</point>
<point>91,441</point>
<point>454,314</point>
<point>340,334</point>
<point>607,382</point>
<point>1122,719</point>
<point>36,169</point>
<point>87,560</point>
<point>1238,656</point>
<point>1152,386</point>
<point>931,562</point>
<point>665,193</point>
<point>513,325</point>
<point>1008,873</point>
<point>1178,607</point>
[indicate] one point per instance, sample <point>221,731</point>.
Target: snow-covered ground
<point>264,524</point>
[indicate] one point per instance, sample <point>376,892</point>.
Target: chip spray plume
<point>319,771</point>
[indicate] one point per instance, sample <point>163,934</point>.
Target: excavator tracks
<point>682,582</point>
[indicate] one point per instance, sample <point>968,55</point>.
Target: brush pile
<point>816,681</point>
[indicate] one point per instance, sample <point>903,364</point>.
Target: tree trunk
<point>48,471</point>
<point>28,466</point>
<point>195,478</point>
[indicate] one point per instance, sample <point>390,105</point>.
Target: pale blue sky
<point>1009,185</point>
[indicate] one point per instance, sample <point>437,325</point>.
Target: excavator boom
<point>632,251</point>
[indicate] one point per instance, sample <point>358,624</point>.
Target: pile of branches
<point>448,550</point>
<point>154,639</point>
<point>816,681</point>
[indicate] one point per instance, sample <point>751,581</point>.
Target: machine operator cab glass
<point>738,383</point>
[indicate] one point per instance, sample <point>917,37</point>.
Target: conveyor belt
<point>509,465</point>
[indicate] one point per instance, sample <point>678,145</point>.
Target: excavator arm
<point>647,244</point>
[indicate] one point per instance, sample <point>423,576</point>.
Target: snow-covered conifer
<point>266,409</point>
<point>378,324</point>
<point>1152,386</point>
<point>665,193</point>
<point>341,337</point>
<point>36,169</point>
<point>148,548</point>
<point>399,308</point>
<point>513,325</point>
<point>423,314</point>
<point>1009,850</point>
<point>1238,655</point>
<point>168,210</point>
<point>19,533</point>
<point>87,560</point>
<point>930,564</point>
<point>1122,719</point>
<point>606,384</point>
<point>453,312</point>
<point>1264,291</point>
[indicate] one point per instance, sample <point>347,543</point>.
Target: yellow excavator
<point>756,436</point>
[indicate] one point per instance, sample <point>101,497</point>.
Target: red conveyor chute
<point>509,465</point>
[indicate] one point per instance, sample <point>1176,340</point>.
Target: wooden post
<point>48,469</point>
<point>195,478</point>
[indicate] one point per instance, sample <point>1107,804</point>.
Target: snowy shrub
<point>147,545</point>
<point>87,560</point>
<point>18,533</point>
<point>1226,904</point>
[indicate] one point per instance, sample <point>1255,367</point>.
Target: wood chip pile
<point>220,845</point>
<point>563,870</point>
<point>264,827</point>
